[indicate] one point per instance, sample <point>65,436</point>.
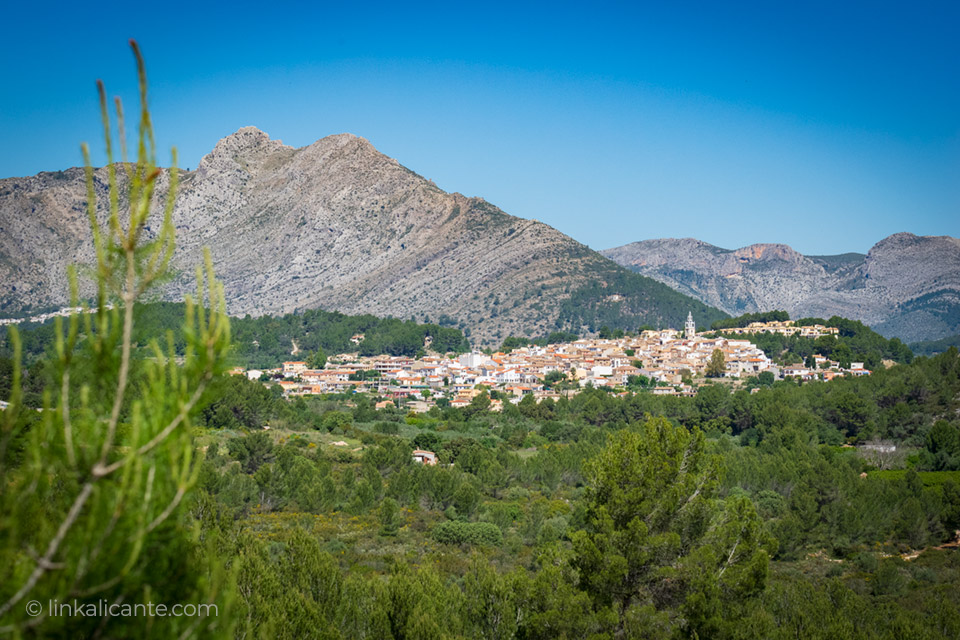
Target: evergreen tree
<point>92,510</point>
<point>390,517</point>
<point>717,364</point>
<point>657,537</point>
<point>317,359</point>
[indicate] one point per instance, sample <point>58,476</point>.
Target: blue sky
<point>827,126</point>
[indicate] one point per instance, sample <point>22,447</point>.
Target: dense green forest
<point>717,516</point>
<point>933,347</point>
<point>266,341</point>
<point>590,307</point>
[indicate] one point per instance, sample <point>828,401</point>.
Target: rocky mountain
<point>339,226</point>
<point>906,286</point>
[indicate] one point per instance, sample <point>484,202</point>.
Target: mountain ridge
<point>340,226</point>
<point>906,286</point>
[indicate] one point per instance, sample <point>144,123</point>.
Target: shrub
<point>337,421</point>
<point>457,532</point>
<point>390,518</point>
<point>389,428</point>
<point>427,440</point>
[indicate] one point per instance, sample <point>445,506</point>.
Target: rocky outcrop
<point>335,225</point>
<point>906,286</point>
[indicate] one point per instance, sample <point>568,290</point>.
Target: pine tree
<point>657,537</point>
<point>390,518</point>
<point>90,511</point>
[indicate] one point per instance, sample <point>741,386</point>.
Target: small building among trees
<point>428,458</point>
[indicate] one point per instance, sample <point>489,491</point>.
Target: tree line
<point>266,341</point>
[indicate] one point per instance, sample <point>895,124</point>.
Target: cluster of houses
<point>784,328</point>
<point>667,359</point>
<point>823,369</point>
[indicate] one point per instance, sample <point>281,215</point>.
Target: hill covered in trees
<point>855,341</point>
<point>266,341</point>
<point>933,347</point>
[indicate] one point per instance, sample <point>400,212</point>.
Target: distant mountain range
<point>906,286</point>
<point>339,226</point>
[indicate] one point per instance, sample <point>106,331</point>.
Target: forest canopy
<point>266,341</point>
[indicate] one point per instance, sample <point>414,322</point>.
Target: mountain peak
<point>249,130</point>
<point>346,136</point>
<point>768,251</point>
<point>245,139</point>
<point>903,238</point>
<point>341,140</point>
<point>246,143</point>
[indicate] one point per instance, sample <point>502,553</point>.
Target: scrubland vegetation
<point>722,515</point>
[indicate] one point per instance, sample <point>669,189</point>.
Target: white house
<point>428,458</point>
<point>474,360</point>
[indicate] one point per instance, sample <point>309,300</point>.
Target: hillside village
<point>663,362</point>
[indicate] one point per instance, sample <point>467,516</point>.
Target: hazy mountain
<point>906,286</point>
<point>340,226</point>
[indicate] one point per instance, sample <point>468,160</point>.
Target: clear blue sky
<point>825,125</point>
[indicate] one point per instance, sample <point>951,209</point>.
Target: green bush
<point>390,428</point>
<point>479,533</point>
<point>337,421</point>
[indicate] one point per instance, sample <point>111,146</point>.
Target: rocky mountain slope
<point>906,286</point>
<point>339,226</point>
